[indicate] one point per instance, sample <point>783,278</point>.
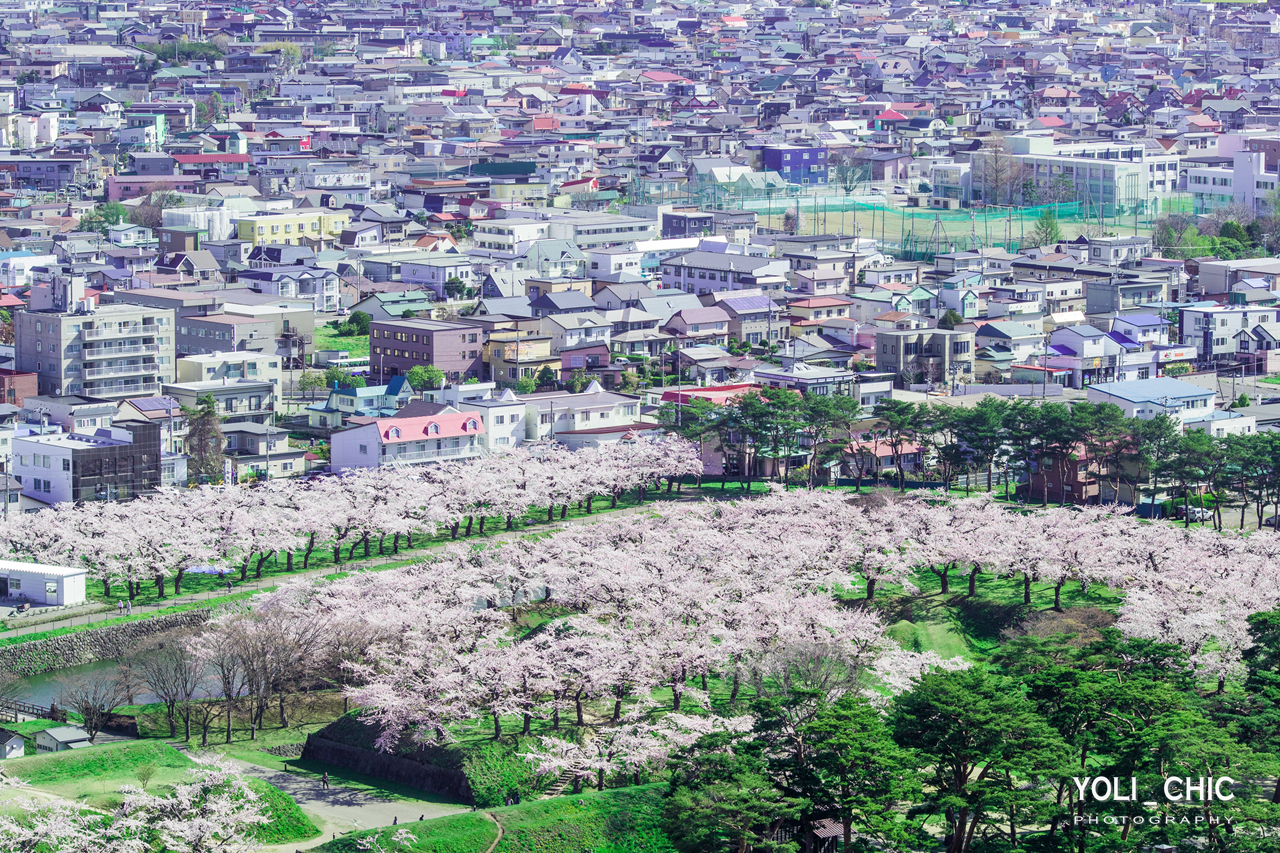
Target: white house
<point>11,744</point>
<point>571,330</point>
<point>41,584</point>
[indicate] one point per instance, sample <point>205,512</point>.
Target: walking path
<point>277,579</point>
<point>340,809</point>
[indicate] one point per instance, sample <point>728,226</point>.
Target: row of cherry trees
<point>159,538</point>
<point>755,593</point>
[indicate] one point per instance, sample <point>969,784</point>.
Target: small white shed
<point>41,584</point>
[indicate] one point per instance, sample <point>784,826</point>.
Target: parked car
<point>877,191</point>
<point>1197,513</point>
<point>1271,522</point>
<point>899,189</point>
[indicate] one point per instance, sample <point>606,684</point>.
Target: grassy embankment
<point>625,820</point>
<point>94,776</point>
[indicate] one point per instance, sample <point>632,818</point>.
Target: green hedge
<point>1205,501</point>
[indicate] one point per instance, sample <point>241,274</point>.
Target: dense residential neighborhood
<point>662,427</point>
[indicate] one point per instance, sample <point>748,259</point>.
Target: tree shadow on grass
<point>985,620</point>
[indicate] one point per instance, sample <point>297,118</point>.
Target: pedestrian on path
<point>119,605</point>
<point>324,781</point>
<point>128,608</point>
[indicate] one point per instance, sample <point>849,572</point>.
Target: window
<point>15,583</point>
<point>66,464</point>
<point>364,449</point>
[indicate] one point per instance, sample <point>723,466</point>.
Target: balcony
<point>429,455</point>
<point>117,352</point>
<point>119,331</point>
<point>112,390</point>
<point>119,370</point>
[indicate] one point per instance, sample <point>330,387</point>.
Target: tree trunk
<point>482,521</point>
<point>577,705</point>
<point>284,719</point>
<point>590,498</point>
<point>160,585</point>
<point>337,554</point>
<point>470,520</point>
<point>1057,595</point>
<point>528,721</point>
<point>106,587</point>
<point>257,568</point>
<point>564,511</point>
<point>177,580</point>
<point>945,577</point>
<point>288,561</point>
<point>1026,587</point>
<point>365,539</point>
<point>497,726</point>
<point>511,521</point>
<point>228,722</point>
<point>733,695</point>
<point>306,555</point>
<point>244,567</point>
<point>973,581</point>
<point>871,589</point>
<point>453,531</point>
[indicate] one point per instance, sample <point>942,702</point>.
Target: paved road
<point>341,810</point>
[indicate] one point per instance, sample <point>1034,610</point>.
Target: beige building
<point>925,355</point>
<point>229,365</point>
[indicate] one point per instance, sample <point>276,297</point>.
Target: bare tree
<point>204,708</point>
<point>160,196</point>
<point>167,666</point>
<point>997,172</point>
<point>94,696</point>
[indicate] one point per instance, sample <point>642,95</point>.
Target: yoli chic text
<point>1177,789</point>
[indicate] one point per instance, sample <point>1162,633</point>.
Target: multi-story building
<point>294,227</point>
<point>316,284</point>
<point>237,400</point>
<point>110,351</point>
<point>1110,176</point>
<point>397,346</point>
<point>1243,179</point>
<point>1213,329</point>
<point>586,230</point>
<point>701,272</point>
<point>514,355</point>
<point>1124,292</point>
<point>928,354</point>
<point>229,365</point>
<point>447,435</point>
<point>112,463</point>
<point>798,164</point>
<point>551,413</point>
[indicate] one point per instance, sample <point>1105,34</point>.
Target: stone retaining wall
<point>393,768</point>
<point>107,643</point>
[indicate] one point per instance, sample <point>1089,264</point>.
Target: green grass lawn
<point>624,820</point>
<point>94,776</point>
<point>327,338</point>
<point>29,729</point>
<point>952,624</point>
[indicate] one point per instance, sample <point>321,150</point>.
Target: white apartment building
<point>1245,181</point>
<point>1213,329</point>
<point>587,230</point>
<point>111,351</point>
